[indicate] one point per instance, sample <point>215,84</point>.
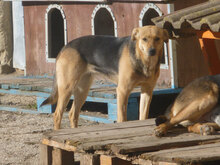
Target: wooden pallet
<point>97,94</point>
<point>128,143</point>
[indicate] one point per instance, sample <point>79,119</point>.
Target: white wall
<point>18,36</point>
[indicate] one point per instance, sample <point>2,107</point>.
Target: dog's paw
<point>159,131</point>
<point>206,130</point>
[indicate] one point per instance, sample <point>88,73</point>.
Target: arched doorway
<point>149,14</point>
<point>103,21</point>
<point>55,32</point>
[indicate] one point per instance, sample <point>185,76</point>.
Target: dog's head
<point>149,40</point>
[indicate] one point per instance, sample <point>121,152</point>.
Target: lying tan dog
<point>197,107</point>
<point>129,62</point>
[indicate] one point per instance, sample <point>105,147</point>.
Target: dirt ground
<point>20,133</point>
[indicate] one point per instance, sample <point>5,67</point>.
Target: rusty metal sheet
<point>199,17</point>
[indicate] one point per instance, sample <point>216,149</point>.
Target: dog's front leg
<point>122,101</point>
<point>123,91</point>
<point>145,99</point>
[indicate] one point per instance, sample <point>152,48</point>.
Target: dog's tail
<point>52,99</point>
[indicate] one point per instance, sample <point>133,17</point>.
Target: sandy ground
<point>21,134</point>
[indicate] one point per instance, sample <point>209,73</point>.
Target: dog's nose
<point>152,51</point>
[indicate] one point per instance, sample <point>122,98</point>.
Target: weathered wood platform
<point>41,87</point>
<point>128,143</point>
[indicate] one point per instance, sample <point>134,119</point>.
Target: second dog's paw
<point>159,131</point>
<point>206,130</point>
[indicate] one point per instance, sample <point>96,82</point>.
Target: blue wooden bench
<point>98,94</point>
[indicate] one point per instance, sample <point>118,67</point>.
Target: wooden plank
<point>89,159</point>
<point>58,145</point>
<point>75,1</point>
<point>25,87</point>
<point>15,109</point>
<point>72,138</point>
<point>46,108</point>
<point>26,93</point>
<point>112,111</point>
<point>186,155</point>
<point>45,155</point>
<point>109,139</point>
<point>5,86</point>
<point>103,140</point>
<point>96,119</point>
<point>154,144</point>
<point>148,162</point>
<point>99,133</point>
<point>62,157</point>
<point>105,127</point>
<point>112,160</point>
<point>108,142</point>
<point>137,139</point>
<point>100,141</point>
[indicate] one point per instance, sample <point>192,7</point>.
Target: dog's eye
<point>144,39</point>
<point>157,39</point>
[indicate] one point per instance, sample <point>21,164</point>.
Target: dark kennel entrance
<point>103,23</point>
<point>55,32</point>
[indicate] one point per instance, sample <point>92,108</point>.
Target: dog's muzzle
<point>151,51</point>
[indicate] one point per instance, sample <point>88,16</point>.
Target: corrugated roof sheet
<point>92,1</point>
<point>200,17</point>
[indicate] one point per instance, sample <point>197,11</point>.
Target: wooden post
<point>45,154</point>
<point>62,157</point>
<point>89,159</point>
<point>110,160</point>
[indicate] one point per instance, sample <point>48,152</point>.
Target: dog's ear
<point>135,34</point>
<point>165,35</point>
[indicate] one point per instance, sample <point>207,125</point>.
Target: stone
<point>6,37</point>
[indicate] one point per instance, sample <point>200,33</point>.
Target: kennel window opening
<point>103,21</point>
<point>56,36</point>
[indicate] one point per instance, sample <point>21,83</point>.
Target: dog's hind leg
<point>192,112</point>
<point>80,94</point>
<point>203,128</point>
<point>63,99</point>
<point>69,70</point>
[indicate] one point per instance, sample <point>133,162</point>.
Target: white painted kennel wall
<point>18,36</point>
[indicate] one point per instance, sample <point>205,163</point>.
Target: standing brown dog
<point>129,62</point>
<point>197,107</point>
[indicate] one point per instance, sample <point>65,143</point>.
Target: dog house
<point>49,26</point>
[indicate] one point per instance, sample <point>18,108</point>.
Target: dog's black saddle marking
<point>103,52</point>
